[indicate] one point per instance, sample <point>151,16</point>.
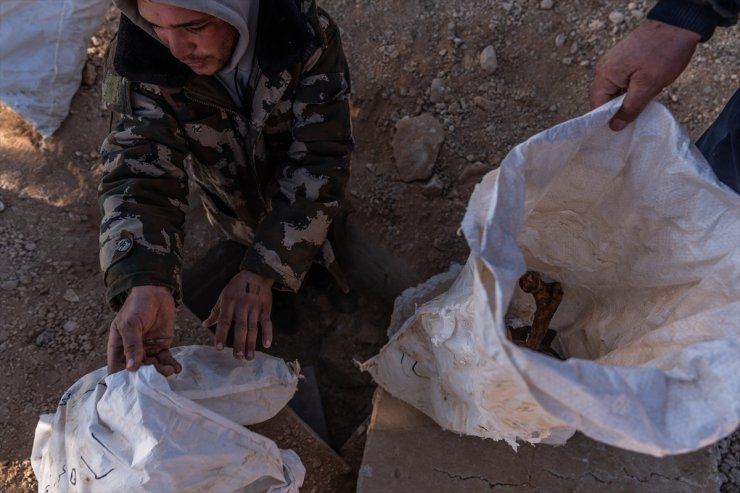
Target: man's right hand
<point>642,64</point>
<point>143,330</point>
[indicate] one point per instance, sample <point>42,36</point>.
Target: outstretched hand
<point>642,64</point>
<point>247,301</point>
<point>143,330</point>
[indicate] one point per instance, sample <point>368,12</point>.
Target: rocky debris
<point>437,91</point>
<point>416,145</point>
<point>71,296</point>
<point>433,188</point>
<point>488,61</point>
<point>729,463</point>
<point>472,173</point>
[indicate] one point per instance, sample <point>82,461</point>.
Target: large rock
<point>416,145</point>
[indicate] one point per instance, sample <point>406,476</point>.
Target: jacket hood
<point>239,13</point>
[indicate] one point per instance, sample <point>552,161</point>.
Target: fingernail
<point>618,124</point>
<point>250,355</point>
<point>220,346</point>
<point>130,364</point>
<point>239,355</point>
<point>268,343</point>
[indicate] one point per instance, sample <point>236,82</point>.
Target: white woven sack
<point>646,244</point>
<point>43,47</point>
<point>133,432</point>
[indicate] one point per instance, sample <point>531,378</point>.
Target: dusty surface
<point>397,432</point>
<point>54,318</point>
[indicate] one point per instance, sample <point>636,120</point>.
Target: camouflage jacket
<point>271,176</point>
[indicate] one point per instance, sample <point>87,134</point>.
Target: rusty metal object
<point>547,297</point>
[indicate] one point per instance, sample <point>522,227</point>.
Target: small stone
<point>9,284</point>
<point>472,173</point>
<point>560,40</point>
<point>637,14</point>
<point>43,339</point>
<point>71,296</point>
<point>546,4</point>
<point>488,59</point>
<point>416,144</point>
<point>2,206</point>
<point>616,17</point>
<point>437,91</point>
<point>71,326</point>
<point>433,188</point>
<point>103,328</point>
<point>596,25</point>
<point>484,103</point>
<point>30,246</point>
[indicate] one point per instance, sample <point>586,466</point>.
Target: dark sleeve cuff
<point>701,19</point>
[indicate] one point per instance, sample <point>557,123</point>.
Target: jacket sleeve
<point>142,194</point>
<point>700,16</point>
<point>313,178</point>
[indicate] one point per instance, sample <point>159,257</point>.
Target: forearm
<point>143,201</point>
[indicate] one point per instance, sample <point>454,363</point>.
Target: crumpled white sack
<point>43,47</point>
<point>141,432</point>
<point>646,244</point>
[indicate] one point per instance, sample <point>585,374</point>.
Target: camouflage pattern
<point>271,178</point>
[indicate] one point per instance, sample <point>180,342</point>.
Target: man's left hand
<point>247,301</point>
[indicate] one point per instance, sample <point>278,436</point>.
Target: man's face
<point>202,42</point>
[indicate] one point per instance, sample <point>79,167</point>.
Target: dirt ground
<point>54,318</point>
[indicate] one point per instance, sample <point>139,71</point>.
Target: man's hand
<point>247,301</point>
<point>143,330</point>
<point>647,60</point>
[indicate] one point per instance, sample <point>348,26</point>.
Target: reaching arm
<point>652,56</point>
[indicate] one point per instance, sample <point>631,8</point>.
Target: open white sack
<point>42,51</point>
<point>646,244</point>
<point>133,432</point>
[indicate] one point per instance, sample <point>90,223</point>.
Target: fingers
<point>221,333</point>
<point>266,323</point>
<point>603,90</point>
<point>129,339</point>
<point>637,98</point>
<point>115,358</point>
<point>163,362</point>
<point>240,333</point>
<point>254,316</point>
